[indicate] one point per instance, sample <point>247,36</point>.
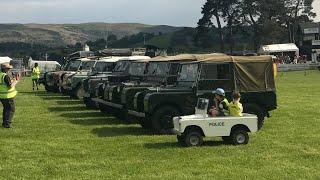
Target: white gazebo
<point>5,59</point>
<point>279,48</point>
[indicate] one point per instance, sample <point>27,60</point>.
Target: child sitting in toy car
<point>235,107</point>
<point>221,107</point>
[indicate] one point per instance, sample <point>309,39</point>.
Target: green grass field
<point>58,138</point>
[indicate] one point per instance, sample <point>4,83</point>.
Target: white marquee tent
<point>5,59</point>
<point>278,48</point>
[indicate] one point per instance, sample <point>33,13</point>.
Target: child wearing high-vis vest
<point>35,76</point>
<point>221,107</point>
<point>235,107</point>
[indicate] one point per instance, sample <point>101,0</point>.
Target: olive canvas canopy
<point>251,73</point>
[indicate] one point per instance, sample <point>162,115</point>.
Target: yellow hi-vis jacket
<point>235,109</point>
<point>5,91</point>
<point>35,73</point>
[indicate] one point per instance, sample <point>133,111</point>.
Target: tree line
<point>263,21</point>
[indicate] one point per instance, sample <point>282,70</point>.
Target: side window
<point>174,69</point>
<point>216,72</point>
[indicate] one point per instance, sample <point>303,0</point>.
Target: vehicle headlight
<point>145,105</point>
<point>69,81</point>
<point>123,97</point>
<point>110,94</point>
<point>135,101</point>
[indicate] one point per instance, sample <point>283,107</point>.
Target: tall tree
<point>212,8</point>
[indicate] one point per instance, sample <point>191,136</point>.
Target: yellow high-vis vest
<point>5,91</point>
<point>35,73</point>
<point>235,109</point>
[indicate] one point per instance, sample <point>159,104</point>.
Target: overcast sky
<point>169,12</point>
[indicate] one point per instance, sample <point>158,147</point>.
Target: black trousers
<point>8,110</point>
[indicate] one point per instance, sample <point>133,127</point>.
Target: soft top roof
<point>225,58</point>
<point>186,57</point>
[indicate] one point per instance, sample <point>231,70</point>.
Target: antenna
<point>46,56</point>
<point>107,35</point>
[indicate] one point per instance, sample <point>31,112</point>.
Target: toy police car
<point>191,129</point>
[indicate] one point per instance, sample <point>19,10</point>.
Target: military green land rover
<point>93,83</point>
<point>252,76</point>
<point>161,71</point>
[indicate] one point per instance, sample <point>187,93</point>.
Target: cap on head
<point>6,66</point>
<point>219,91</point>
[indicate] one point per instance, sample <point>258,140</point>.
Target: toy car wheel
<point>193,138</point>
<point>239,137</point>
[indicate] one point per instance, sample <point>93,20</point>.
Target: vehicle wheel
<point>239,136</point>
<point>181,140</point>
<point>226,139</point>
<point>162,119</point>
<point>79,92</point>
<point>145,123</point>
<point>255,109</point>
<point>47,88</point>
<point>89,103</point>
<point>193,138</point>
<point>104,109</point>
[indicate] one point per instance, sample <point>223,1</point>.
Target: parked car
<point>161,71</point>
<point>252,76</point>
<point>72,83</point>
<point>119,74</point>
<point>53,80</point>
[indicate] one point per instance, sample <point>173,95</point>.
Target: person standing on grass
<point>7,94</point>
<point>35,76</point>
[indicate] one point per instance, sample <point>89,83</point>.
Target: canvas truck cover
<point>185,57</point>
<point>251,73</point>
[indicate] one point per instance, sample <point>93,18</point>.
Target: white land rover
<point>191,129</point>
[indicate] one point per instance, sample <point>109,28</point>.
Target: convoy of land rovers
<point>172,94</point>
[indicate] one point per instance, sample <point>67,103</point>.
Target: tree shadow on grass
<point>170,145</point>
<point>96,121</point>
<point>121,131</point>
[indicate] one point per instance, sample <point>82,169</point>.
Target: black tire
<point>104,109</point>
<point>144,123</point>
<point>78,92</point>
<point>181,140</point>
<point>162,119</point>
<point>89,103</point>
<point>239,136</point>
<point>255,109</point>
<point>193,138</point>
<point>47,88</point>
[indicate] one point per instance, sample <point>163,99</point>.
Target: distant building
<point>309,40</point>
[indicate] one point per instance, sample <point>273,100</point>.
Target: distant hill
<point>64,34</point>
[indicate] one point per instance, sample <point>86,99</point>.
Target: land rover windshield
<point>88,65</point>
<point>137,69</point>
<point>73,65</point>
<point>188,73</point>
<point>121,66</point>
<point>158,68</point>
<point>104,67</point>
